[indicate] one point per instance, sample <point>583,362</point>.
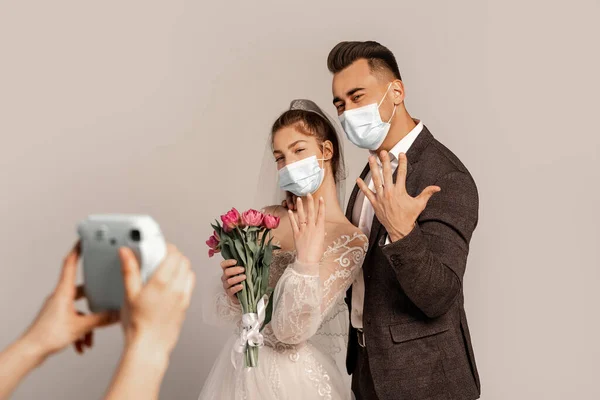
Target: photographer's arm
<point>16,362</point>
<point>152,318</point>
<point>57,325</point>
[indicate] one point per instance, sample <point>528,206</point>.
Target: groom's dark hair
<point>380,58</point>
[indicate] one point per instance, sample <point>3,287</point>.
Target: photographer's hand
<point>57,325</point>
<point>152,317</point>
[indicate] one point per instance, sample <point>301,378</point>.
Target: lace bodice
<point>303,303</point>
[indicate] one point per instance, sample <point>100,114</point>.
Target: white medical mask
<point>302,177</point>
<point>364,127</point>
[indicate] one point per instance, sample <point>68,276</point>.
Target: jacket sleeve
<point>430,261</point>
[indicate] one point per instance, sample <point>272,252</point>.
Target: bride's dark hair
<point>313,122</point>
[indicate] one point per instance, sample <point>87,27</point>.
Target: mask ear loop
<point>393,113</point>
<point>381,102</point>
<point>322,159</point>
<point>386,92</point>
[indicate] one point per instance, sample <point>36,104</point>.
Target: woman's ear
<point>327,150</point>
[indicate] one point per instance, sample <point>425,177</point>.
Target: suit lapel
<point>354,194</point>
<point>349,211</point>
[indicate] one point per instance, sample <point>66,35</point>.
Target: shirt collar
<point>404,144</point>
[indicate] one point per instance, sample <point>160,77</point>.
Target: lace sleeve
<point>227,310</point>
<point>217,309</point>
<point>305,293</point>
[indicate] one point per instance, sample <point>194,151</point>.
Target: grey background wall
<point>164,107</point>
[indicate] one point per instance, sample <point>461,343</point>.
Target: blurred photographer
<point>151,317</point>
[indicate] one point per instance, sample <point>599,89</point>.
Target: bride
<point>321,253</point>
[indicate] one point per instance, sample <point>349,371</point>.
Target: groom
<point>409,337</point>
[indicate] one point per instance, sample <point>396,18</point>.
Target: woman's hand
<point>58,323</point>
<point>309,230</point>
<point>290,201</point>
<point>153,314</point>
<point>232,279</point>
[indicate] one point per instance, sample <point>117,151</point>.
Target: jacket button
<point>368,321</point>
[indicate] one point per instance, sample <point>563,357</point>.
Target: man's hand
<point>58,323</point>
<point>394,207</point>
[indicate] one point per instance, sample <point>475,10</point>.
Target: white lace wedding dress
<point>305,343</point>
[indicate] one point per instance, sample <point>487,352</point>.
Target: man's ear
<point>398,91</point>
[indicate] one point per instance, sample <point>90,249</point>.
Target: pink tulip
<point>252,218</point>
<point>271,221</point>
<point>213,241</point>
<point>230,220</point>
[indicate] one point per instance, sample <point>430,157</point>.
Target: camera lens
<point>135,235</point>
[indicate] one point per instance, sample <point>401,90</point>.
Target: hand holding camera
<point>153,314</point>
<point>121,254</point>
<point>101,238</point>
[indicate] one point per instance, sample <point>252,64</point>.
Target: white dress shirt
<point>362,216</point>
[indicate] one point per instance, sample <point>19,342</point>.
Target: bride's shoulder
<point>347,232</point>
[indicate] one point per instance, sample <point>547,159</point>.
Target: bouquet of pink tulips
<point>247,239</point>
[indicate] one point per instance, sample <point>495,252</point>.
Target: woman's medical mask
<point>302,177</point>
<point>364,127</point>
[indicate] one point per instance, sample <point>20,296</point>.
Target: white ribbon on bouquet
<point>250,334</point>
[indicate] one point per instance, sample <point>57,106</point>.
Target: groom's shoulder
<point>440,160</point>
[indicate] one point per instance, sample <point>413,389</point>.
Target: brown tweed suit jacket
<point>415,327</point>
